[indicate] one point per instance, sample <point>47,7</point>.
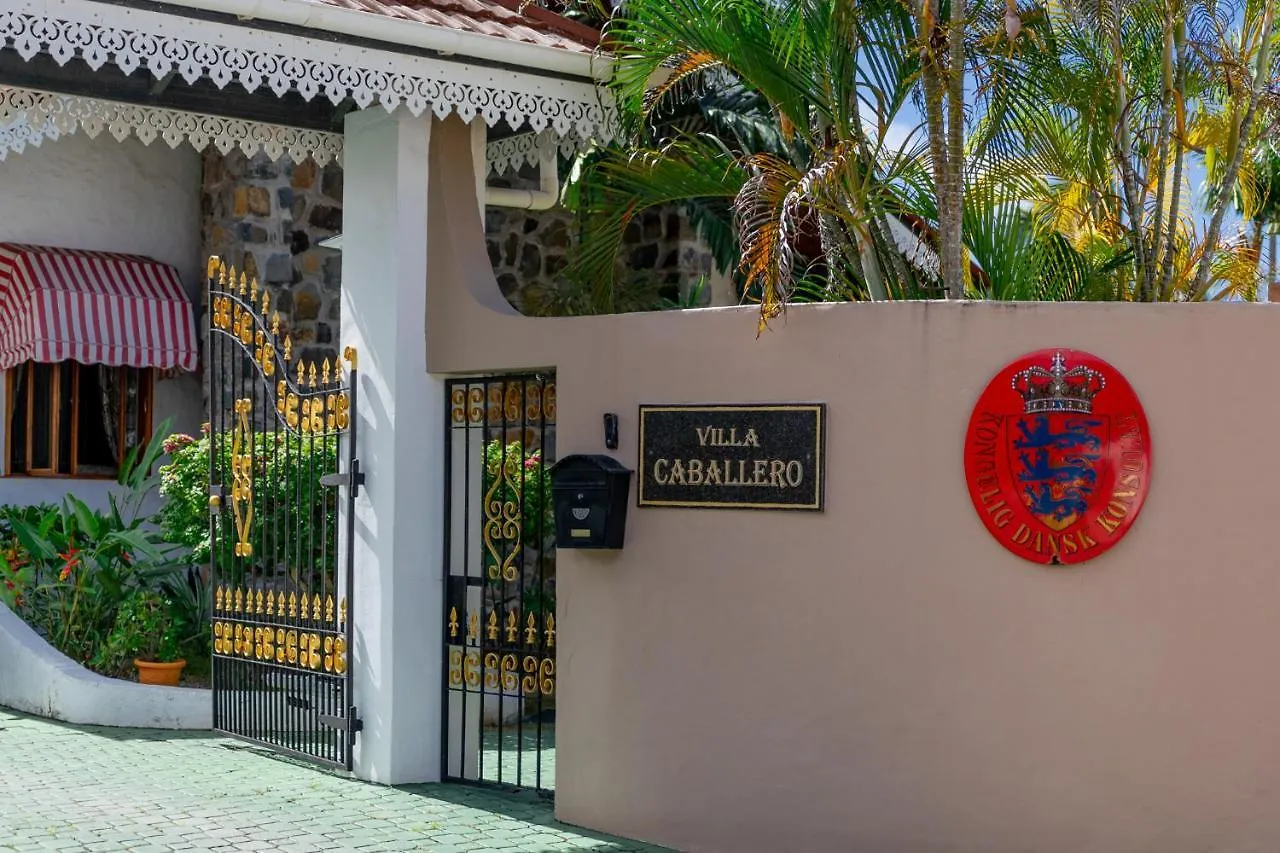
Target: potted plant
<point>145,630</point>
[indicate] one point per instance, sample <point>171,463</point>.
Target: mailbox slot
<point>590,499</point>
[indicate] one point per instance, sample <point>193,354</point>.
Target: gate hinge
<point>350,722</point>
<point>352,479</point>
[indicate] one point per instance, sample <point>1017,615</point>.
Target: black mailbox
<point>590,494</point>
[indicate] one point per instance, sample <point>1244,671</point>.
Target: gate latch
<point>350,722</point>
<point>352,479</point>
<point>216,494</point>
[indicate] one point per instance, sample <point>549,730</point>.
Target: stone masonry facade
<point>268,218</point>
<point>528,248</point>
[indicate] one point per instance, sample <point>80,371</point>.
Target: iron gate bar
<point>502,650</point>
<point>281,664</point>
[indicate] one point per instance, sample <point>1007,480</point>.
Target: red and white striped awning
<point>93,307</point>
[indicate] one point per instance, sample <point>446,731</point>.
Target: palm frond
<point>617,186</point>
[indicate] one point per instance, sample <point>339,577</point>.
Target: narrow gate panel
<point>500,629</point>
<point>282,456</point>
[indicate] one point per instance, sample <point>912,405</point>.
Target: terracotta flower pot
<point>150,672</point>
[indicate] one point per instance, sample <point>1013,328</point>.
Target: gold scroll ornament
<point>502,518</point>
<point>242,479</point>
<point>237,313</point>
<point>502,672</point>
<point>504,404</point>
<point>306,650</point>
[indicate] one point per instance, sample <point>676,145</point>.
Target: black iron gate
<point>282,455</point>
<point>499,616</point>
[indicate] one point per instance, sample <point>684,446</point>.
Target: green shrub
<point>298,516</point>
<point>75,566</point>
<point>144,630</point>
<point>16,568</point>
<point>192,614</point>
<point>184,485</point>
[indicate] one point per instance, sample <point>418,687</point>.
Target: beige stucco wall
<point>883,676</point>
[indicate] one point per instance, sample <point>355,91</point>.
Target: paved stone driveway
<point>79,788</point>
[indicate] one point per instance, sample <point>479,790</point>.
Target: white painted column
<point>399,589</point>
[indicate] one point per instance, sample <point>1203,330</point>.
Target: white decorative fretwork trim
<point>17,136</point>
<point>28,117</point>
<point>133,39</point>
<point>509,154</point>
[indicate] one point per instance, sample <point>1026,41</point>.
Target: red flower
<point>9,584</point>
<point>71,562</point>
<point>15,558</point>
<point>177,442</point>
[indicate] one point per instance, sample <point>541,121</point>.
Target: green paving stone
<point>80,788</point>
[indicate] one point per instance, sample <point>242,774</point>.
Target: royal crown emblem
<point>1059,389</point>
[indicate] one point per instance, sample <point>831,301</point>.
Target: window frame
<point>146,403</point>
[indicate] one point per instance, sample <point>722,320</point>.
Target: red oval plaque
<point>1058,456</point>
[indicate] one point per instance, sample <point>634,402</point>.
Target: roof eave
<point>318,16</point>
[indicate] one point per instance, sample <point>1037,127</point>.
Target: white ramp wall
<point>38,679</point>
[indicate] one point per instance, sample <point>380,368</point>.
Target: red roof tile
<point>517,20</point>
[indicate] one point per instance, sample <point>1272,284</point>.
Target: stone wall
<point>267,218</point>
<point>528,248</point>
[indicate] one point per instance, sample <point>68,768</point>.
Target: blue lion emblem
<point>1075,469</point>
<point>1056,459</point>
<point>1076,432</point>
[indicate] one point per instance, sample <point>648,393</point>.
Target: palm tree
<point>769,120</point>
<point>1258,199</point>
<point>1104,107</point>
<point>1253,49</point>
<point>942,75</point>
<point>815,189</point>
<point>687,158</point>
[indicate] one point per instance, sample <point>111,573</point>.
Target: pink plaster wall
<point>883,676</point>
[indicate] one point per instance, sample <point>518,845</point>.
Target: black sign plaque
<point>722,456</point>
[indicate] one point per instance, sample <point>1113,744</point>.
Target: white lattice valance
<point>28,117</point>
<point>509,154</point>
<point>133,39</point>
